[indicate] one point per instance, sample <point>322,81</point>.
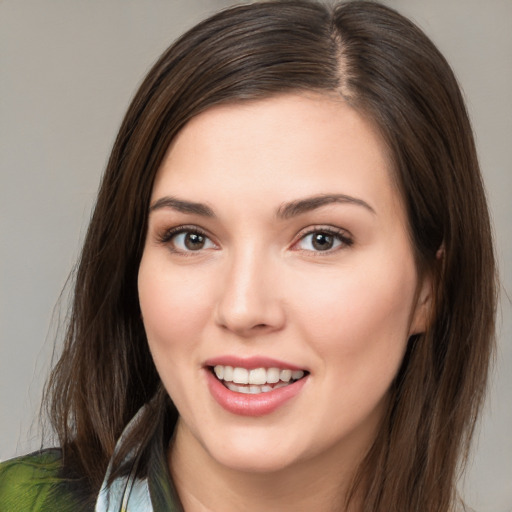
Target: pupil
<point>194,241</point>
<point>322,241</point>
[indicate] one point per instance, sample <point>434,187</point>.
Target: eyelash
<point>165,238</point>
<point>341,235</point>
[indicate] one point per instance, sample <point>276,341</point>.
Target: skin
<point>259,287</point>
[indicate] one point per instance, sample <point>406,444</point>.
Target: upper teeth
<point>258,376</point>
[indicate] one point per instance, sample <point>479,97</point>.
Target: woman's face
<point>278,243</point>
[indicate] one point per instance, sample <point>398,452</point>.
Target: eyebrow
<point>294,208</point>
<point>285,211</point>
<point>182,206</point>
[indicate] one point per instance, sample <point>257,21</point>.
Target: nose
<point>249,303</point>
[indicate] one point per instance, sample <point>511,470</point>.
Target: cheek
<point>173,305</point>
<point>357,322</point>
<point>360,315</point>
<point>174,310</point>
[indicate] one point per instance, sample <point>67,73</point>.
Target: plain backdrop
<point>67,72</point>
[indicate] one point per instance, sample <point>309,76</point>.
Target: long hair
<point>391,73</point>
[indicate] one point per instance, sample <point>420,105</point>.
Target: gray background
<point>67,72</point>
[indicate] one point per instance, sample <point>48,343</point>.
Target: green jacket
<point>36,483</point>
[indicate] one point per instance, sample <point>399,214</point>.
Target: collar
<point>153,493</point>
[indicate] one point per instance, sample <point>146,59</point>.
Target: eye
<point>187,240</point>
<point>323,240</point>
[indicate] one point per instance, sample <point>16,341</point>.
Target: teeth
<point>258,376</point>
<point>240,376</point>
<point>273,375</point>
<point>234,387</point>
<point>228,373</point>
<point>285,375</point>
<point>258,379</point>
<point>219,371</point>
<point>248,390</point>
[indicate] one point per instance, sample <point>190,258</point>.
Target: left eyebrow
<point>182,206</point>
<point>294,208</point>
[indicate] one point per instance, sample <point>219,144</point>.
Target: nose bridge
<point>248,301</point>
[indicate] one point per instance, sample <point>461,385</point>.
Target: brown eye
<point>187,240</point>
<point>322,241</point>
<point>194,241</point>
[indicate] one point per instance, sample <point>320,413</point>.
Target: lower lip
<point>252,405</point>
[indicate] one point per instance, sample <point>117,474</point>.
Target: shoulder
<point>36,483</point>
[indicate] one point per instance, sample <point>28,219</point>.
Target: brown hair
<point>388,70</point>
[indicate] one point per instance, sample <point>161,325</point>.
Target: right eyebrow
<point>288,210</point>
<point>182,206</point>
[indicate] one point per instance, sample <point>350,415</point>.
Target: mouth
<point>257,380</point>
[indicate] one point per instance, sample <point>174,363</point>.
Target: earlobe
<point>423,311</point>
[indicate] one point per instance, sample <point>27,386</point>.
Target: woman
<point>286,295</point>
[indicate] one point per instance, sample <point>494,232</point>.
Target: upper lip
<point>250,363</point>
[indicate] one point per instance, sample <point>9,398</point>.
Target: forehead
<point>278,149</point>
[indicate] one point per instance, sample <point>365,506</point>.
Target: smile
<point>257,380</point>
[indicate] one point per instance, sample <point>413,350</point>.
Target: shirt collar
<point>153,493</point>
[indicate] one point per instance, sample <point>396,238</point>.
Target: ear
<point>422,314</point>
<point>423,308</point>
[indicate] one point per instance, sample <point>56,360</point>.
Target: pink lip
<point>252,405</point>
<point>250,362</point>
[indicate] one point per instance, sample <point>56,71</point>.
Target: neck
<point>204,485</point>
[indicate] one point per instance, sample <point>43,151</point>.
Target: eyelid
<point>343,235</point>
<point>165,236</point>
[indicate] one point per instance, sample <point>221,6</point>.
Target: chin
<point>247,462</point>
<point>249,454</point>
